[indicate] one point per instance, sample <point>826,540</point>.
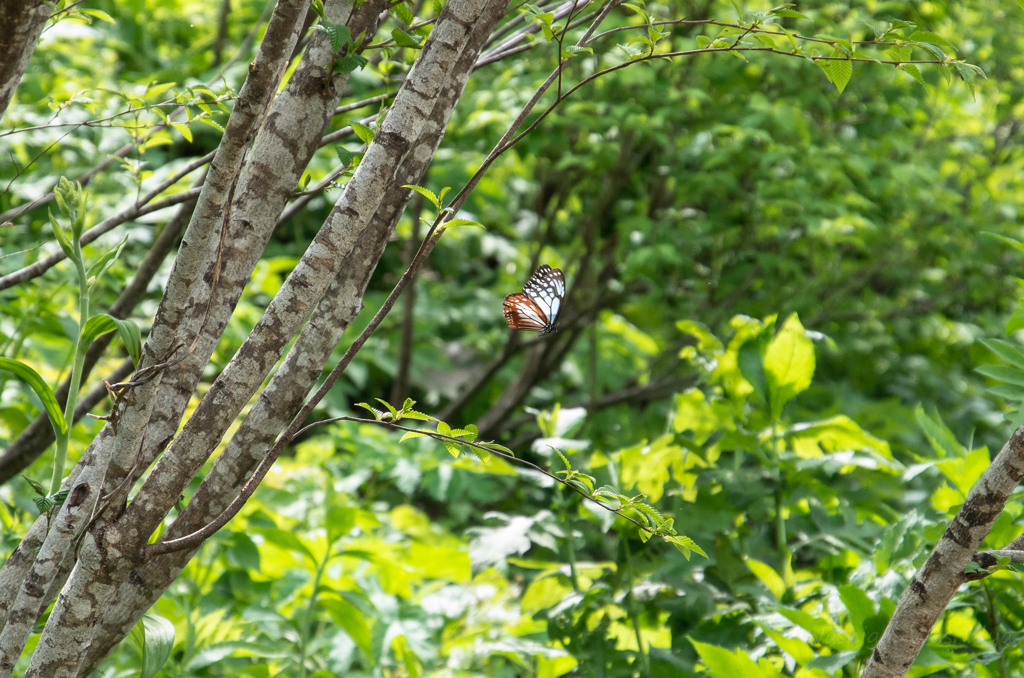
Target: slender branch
<point>137,210</point>
<point>942,574</point>
<point>198,537</point>
<point>431,239</point>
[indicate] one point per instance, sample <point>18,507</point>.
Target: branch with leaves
<point>649,521</point>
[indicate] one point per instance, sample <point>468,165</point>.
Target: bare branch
<point>942,574</point>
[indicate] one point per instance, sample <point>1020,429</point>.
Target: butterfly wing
<point>546,289</point>
<point>522,313</point>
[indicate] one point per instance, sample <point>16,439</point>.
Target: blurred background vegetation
<point>700,208</point>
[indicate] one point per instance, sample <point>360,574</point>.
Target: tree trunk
<point>23,22</point>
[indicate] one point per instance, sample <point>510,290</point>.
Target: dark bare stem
<point>400,389</point>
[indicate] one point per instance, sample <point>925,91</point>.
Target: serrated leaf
<point>364,133</point>
<point>789,14</point>
<point>409,435</point>
<point>350,63</point>
<point>420,416</point>
<point>914,71</point>
<point>183,130</point>
<point>631,51</point>
<point>212,123</point>
<point>498,448</point>
<point>36,383</point>
<point>403,13</point>
<point>683,542</point>
<point>426,193</point>
<point>576,49</point>
<point>639,10</point>
<point>391,409</point>
<point>841,72</point>
<point>99,14</point>
<point>453,448</point>
<point>462,222</point>
<point>925,36</point>
<point>933,49</point>
<point>339,35</point>
<point>377,414</point>
<point>403,39</point>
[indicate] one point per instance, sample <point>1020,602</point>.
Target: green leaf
<point>62,237</point>
<point>925,36</point>
<point>914,71</point>
<point>364,133</point>
<point>350,63</point>
<point>768,576</point>
<point>1012,393</point>
<point>794,647</point>
<point>1010,353</point>
<point>183,130</point>
<point>788,364</point>
<point>723,663</point>
<point>412,434</point>
<point>377,414</point>
<point>820,628</point>
<point>403,39</point>
<point>426,193</point>
<point>1010,375</point>
<point>391,409</point>
<point>339,35</point>
<point>938,434</point>
<point>498,448</point>
<point>1016,244</point>
<point>36,383</point>
<point>789,14</point>
<point>106,261</point>
<point>832,662</point>
<point>154,637</point>
<point>289,541</point>
<point>98,14</point>
<point>933,50</point>
<point>841,73</point>
<point>419,416</point>
<point>858,605</point>
<point>748,358</point>
<point>127,330</point>
<point>403,13</point>
<point>451,223</point>
<point>351,619</point>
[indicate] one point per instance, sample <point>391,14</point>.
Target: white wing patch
<point>537,308</point>
<point>546,288</point>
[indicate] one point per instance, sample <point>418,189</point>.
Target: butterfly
<point>536,309</point>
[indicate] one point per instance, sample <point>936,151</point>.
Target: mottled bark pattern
<point>942,574</point>
<point>107,551</point>
<point>22,22</point>
<point>301,368</point>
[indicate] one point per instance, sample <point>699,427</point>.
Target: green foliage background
<point>801,271</point>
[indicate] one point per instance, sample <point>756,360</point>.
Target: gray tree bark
<point>934,585</point>
<point>23,22</point>
<point>246,189</point>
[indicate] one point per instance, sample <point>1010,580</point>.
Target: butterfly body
<point>536,309</point>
